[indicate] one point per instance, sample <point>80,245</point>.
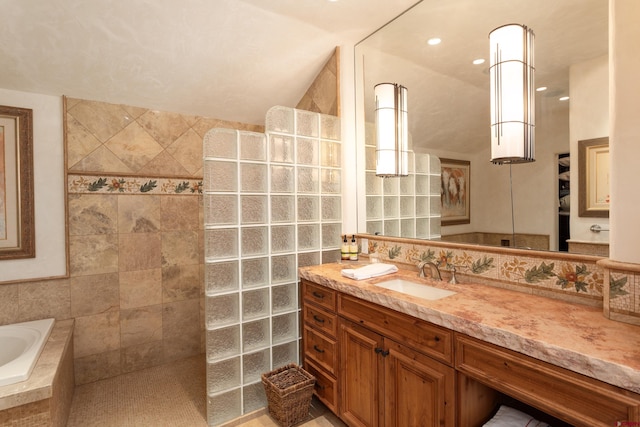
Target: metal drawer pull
<point>318,295</point>
<point>318,319</point>
<point>318,349</point>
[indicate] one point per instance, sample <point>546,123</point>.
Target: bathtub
<point>20,347</point>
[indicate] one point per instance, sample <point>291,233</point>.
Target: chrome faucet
<point>432,266</point>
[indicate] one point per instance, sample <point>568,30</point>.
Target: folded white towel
<point>509,417</point>
<point>369,270</point>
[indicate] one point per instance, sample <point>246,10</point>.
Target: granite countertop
<point>572,336</point>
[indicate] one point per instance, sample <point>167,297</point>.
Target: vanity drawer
<point>320,349</point>
<point>321,319</point>
<point>326,387</point>
<point>319,295</point>
<point>564,394</point>
<point>423,336</point>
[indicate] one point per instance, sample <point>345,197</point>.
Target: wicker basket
<point>289,390</point>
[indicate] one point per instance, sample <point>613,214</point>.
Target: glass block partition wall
<point>272,203</point>
<point>407,206</point>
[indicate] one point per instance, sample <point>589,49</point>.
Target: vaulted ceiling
<point>229,59</point>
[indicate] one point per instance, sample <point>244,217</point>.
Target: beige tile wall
<point>323,96</point>
<point>135,236</point>
<point>135,282</point>
<point>132,141</point>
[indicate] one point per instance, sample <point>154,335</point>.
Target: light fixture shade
<point>392,156</point>
<point>511,72</point>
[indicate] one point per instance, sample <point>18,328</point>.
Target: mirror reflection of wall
<point>449,103</point>
<point>406,206</point>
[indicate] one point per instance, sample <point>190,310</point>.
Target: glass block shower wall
<point>272,203</point>
<point>407,206</point>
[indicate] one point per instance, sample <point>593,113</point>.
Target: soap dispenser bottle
<point>353,249</point>
<point>345,250</point>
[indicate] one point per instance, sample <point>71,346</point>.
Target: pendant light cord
<point>513,225</point>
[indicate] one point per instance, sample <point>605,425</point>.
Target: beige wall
<point>624,98</point>
<point>49,200</point>
<point>589,120</point>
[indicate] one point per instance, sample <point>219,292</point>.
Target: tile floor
<point>171,395</point>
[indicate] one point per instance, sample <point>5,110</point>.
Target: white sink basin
<point>415,289</point>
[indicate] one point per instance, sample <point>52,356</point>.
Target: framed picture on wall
<point>593,178</point>
<point>454,191</point>
<point>17,235</point>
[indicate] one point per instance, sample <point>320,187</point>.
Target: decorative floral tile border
<point>621,291</point>
<point>94,184</point>
<point>464,261</point>
<point>549,273</point>
<point>574,277</point>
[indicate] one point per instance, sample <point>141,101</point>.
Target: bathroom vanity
<point>383,357</point>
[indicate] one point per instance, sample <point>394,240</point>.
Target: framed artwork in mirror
<point>454,190</point>
<point>17,234</point>
<point>593,178</point>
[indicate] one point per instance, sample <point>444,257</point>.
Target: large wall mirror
<point>448,103</point>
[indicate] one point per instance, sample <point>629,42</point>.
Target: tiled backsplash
<point>622,301</point>
<point>560,275</point>
<point>578,278</point>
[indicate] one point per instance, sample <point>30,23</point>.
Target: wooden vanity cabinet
<point>384,380</point>
<point>563,394</point>
<point>379,367</point>
<point>319,341</point>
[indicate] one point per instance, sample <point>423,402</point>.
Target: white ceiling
<point>229,59</point>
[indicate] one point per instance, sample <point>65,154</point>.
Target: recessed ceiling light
<point>541,88</point>
<point>564,98</point>
<point>478,61</point>
<point>434,41</point>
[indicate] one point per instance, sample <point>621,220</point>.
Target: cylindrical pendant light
<point>392,137</point>
<point>511,72</point>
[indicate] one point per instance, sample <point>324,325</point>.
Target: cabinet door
<point>419,391</point>
<point>360,375</point>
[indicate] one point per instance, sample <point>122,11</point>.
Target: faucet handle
<point>454,280</point>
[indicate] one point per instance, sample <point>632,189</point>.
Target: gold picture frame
<point>454,191</point>
<point>17,233</point>
<point>593,178</point>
